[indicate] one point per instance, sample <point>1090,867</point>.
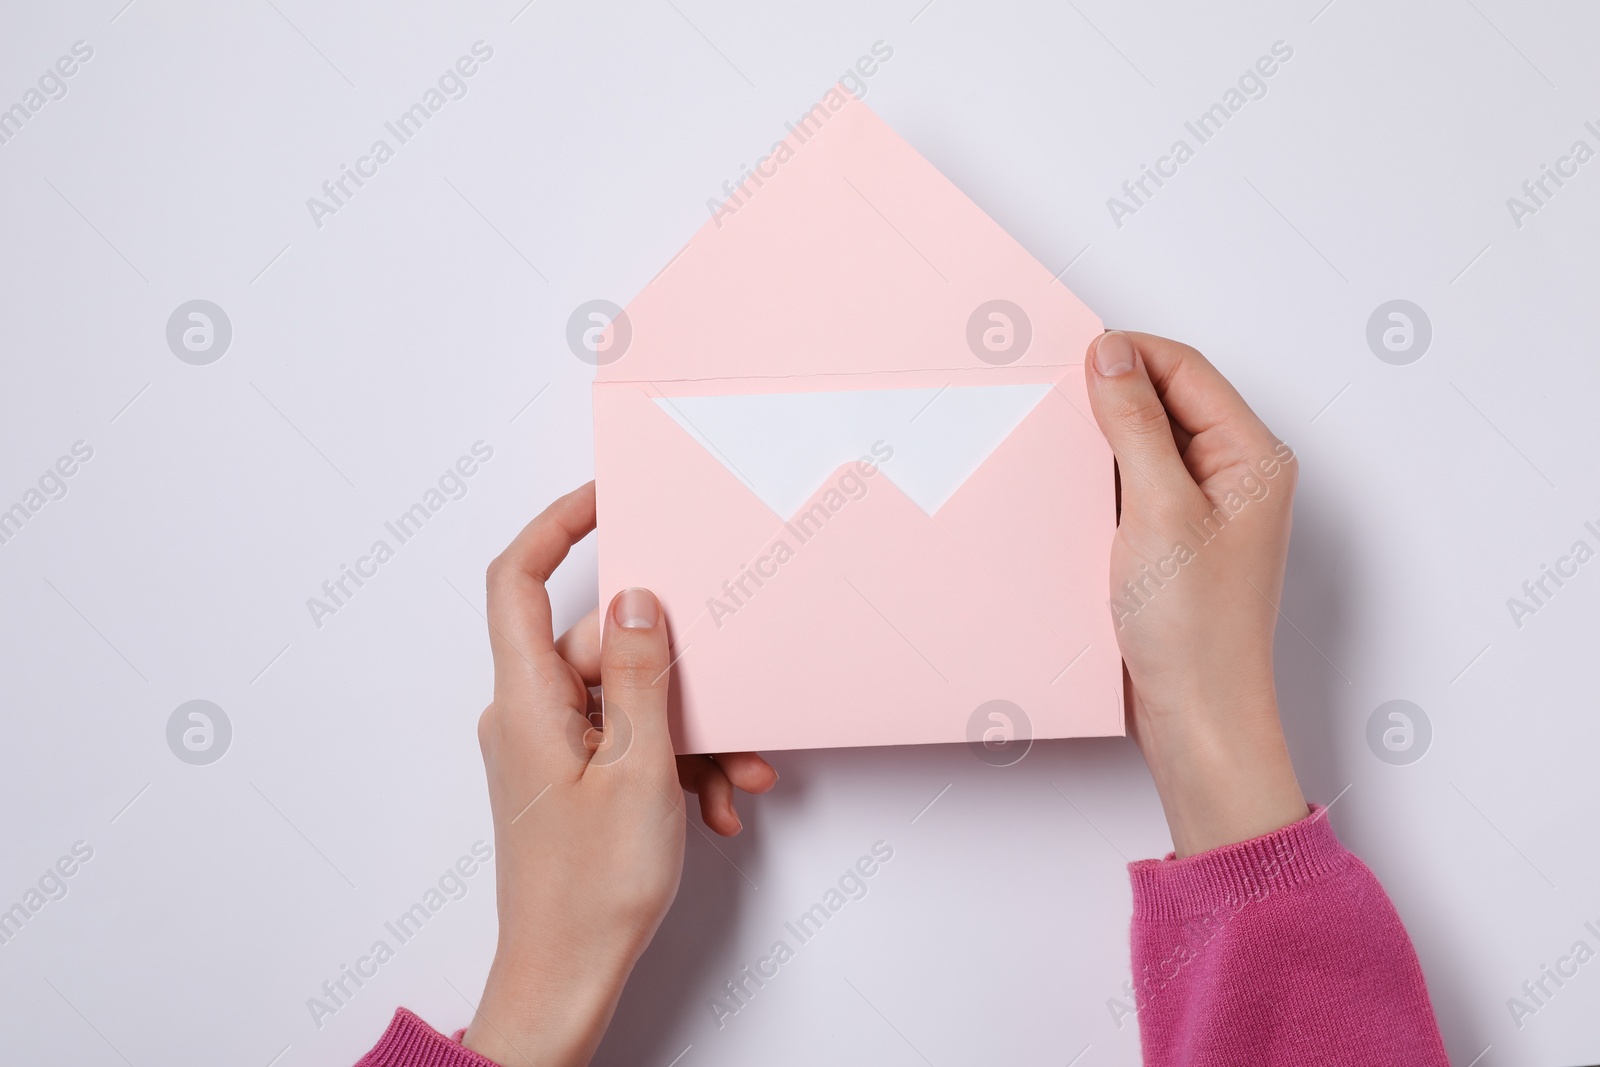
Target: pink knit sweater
<point>1279,950</point>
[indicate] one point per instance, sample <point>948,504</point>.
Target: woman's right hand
<point>1196,571</point>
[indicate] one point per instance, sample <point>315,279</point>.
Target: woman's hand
<point>589,823</point>
<point>1196,571</point>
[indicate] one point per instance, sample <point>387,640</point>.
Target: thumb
<point>1134,421</point>
<point>635,664</point>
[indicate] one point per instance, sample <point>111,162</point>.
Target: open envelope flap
<point>861,619</point>
<point>853,255</point>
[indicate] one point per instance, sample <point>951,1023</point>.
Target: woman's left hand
<point>589,822</point>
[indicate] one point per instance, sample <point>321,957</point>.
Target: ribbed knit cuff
<point>410,1042</point>
<point>1234,875</point>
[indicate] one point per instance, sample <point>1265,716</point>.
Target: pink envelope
<point>844,437</point>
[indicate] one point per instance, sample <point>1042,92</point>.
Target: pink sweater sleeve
<point>1279,950</point>
<point>410,1042</point>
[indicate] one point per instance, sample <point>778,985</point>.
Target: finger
<point>580,646</point>
<point>1193,391</point>
<point>519,607</point>
<point>747,771</point>
<point>1132,417</point>
<point>1180,436</point>
<point>634,667</point>
<point>701,776</point>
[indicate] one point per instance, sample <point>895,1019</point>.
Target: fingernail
<point>635,609</point>
<point>1113,356</point>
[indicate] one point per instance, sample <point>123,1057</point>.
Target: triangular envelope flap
<point>784,446</point>
<point>852,255</point>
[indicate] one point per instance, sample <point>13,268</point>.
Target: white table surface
<point>423,316</point>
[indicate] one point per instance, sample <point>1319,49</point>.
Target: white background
<point>427,313</point>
